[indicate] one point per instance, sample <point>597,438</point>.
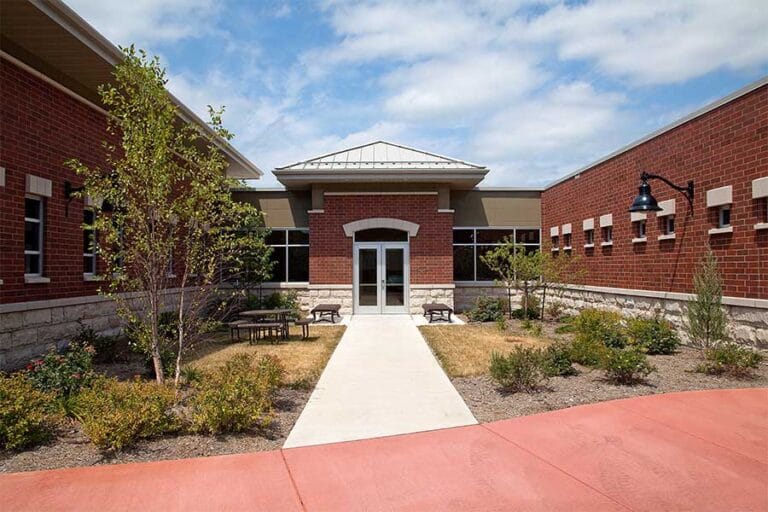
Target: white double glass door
<point>381,271</point>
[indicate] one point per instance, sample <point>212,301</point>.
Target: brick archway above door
<point>381,222</point>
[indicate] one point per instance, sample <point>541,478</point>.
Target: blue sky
<point>533,90</point>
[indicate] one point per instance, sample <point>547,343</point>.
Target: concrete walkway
<point>702,451</point>
<point>382,380</point>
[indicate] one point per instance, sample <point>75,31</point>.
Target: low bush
<point>25,413</point>
<point>588,351</point>
<point>601,326</point>
<point>555,310</point>
<point>653,335</point>
<point>278,300</point>
<point>626,365</point>
<point>63,374</point>
<point>501,323</point>
<point>236,396</point>
<point>557,360</point>
<point>168,330</point>
<point>115,414</point>
<point>520,370</point>
<point>731,359</point>
<point>519,314</point>
<point>533,328</point>
<point>487,309</point>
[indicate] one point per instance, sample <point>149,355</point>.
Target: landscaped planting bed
<point>298,363</point>
<point>465,354</point>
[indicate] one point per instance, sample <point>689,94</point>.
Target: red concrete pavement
<point>704,450</point>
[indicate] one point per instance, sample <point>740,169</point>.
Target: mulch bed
<point>71,448</point>
<point>674,373</point>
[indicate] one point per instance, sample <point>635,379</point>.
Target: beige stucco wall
<point>282,208</point>
<point>496,208</point>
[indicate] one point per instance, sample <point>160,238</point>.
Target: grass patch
<point>464,350</point>
<point>303,360</point>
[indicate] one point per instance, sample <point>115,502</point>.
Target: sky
<point>531,89</point>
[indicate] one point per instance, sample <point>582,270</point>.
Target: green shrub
<point>588,351</point>
<point>602,326</point>
<point>520,370</point>
<point>168,330</point>
<point>731,359</point>
<point>117,414</point>
<point>626,365</point>
<point>533,328</point>
<point>519,313</point>
<point>237,395</point>
<point>25,413</point>
<point>487,309</point>
<point>501,323</point>
<point>278,300</point>
<point>63,374</point>
<point>653,335</point>
<point>557,360</point>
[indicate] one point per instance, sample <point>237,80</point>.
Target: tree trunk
<point>177,376</point>
<point>509,301</point>
<point>155,339</point>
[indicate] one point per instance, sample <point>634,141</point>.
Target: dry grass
<point>303,360</point>
<point>465,350</point>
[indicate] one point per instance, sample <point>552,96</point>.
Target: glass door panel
<point>368,281</point>
<point>394,271</point>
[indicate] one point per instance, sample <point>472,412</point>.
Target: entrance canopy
<point>381,162</point>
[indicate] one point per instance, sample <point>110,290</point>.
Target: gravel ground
<point>488,403</point>
<point>71,448</point>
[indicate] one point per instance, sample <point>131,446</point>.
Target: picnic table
<point>437,308</point>
<point>261,321</point>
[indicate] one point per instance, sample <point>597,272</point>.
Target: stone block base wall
<point>30,329</point>
<point>465,295</point>
<point>748,317</point>
<point>425,293</point>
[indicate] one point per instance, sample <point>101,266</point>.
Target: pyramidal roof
<point>382,156</point>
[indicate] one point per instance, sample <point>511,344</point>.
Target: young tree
<point>707,322</point>
<point>557,271</point>
<point>516,269</point>
<point>166,208</point>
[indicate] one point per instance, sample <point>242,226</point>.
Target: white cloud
<point>147,21</point>
<point>533,140</point>
<point>461,87</point>
<point>655,42</point>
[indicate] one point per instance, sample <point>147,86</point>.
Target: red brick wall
<point>41,128</point>
<point>727,146</point>
<point>330,250</point>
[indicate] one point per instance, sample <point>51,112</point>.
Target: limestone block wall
<point>425,293</point>
<point>466,294</point>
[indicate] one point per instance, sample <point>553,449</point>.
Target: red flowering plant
<point>65,373</point>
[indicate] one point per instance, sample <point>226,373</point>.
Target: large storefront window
<point>290,253</point>
<point>471,243</point>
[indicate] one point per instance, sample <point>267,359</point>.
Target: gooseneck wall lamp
<point>645,202</point>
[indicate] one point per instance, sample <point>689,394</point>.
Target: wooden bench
<point>437,308</point>
<point>273,330</point>
<point>304,323</point>
<point>326,310</point>
<point>234,327</point>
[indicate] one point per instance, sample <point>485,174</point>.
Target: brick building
<point>379,228</point>
<point>51,64</point>
<point>639,261</point>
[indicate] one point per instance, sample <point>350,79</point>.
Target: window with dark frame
<point>640,228</point>
<point>290,254</point>
<point>669,225</point>
<point>89,242</point>
<point>471,243</point>
<point>567,241</point>
<point>724,217</point>
<point>589,237</point>
<point>34,230</point>
<point>555,242</point>
<point>607,234</point>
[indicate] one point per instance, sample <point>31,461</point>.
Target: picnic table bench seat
<point>324,311</point>
<point>437,308</point>
<point>304,323</point>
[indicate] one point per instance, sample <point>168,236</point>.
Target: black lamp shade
<point>644,202</point>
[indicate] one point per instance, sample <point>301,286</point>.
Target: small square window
<point>567,240</point>
<point>724,217</point>
<point>669,225</point>
<point>640,229</point>
<point>589,237</point>
<point>555,242</point>
<point>608,234</point>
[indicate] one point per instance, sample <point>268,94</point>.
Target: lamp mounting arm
<point>687,190</point>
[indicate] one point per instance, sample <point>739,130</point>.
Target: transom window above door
<point>381,235</point>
